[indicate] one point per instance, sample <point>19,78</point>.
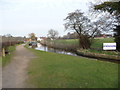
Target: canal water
<point>45,48</point>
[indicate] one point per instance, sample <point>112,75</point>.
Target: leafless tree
<point>78,22</point>
<point>53,34</point>
<point>89,26</point>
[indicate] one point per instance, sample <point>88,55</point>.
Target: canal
<point>45,48</point>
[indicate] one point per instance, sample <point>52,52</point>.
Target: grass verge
<point>7,58</point>
<point>51,70</point>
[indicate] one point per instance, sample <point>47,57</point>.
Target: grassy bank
<point>51,70</point>
<point>72,44</point>
<point>7,58</point>
<point>102,52</point>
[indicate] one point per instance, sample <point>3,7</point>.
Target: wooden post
<point>3,52</point>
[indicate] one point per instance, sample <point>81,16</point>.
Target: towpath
<point>15,73</point>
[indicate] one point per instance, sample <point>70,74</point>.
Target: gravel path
<point>15,73</point>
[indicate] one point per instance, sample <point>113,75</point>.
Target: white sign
<point>109,46</point>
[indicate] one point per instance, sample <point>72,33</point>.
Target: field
<point>51,70</point>
<point>97,43</point>
<point>67,41</point>
<point>96,46</point>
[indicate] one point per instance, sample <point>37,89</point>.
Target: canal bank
<point>77,52</point>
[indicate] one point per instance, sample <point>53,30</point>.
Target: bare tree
<point>53,34</point>
<point>77,21</point>
<point>89,26</point>
<point>114,9</point>
<point>102,22</point>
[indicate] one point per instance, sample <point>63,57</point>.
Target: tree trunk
<point>84,42</point>
<point>117,37</point>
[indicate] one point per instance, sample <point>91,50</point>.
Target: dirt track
<point>15,73</point>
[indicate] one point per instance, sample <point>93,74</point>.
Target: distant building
<point>104,36</point>
<point>71,36</point>
<point>41,38</point>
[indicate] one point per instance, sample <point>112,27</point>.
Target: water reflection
<point>45,48</point>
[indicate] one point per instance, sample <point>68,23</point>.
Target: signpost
<point>109,46</point>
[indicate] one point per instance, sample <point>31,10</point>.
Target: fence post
<point>3,52</point>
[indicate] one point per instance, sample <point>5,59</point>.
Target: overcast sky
<point>21,17</point>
